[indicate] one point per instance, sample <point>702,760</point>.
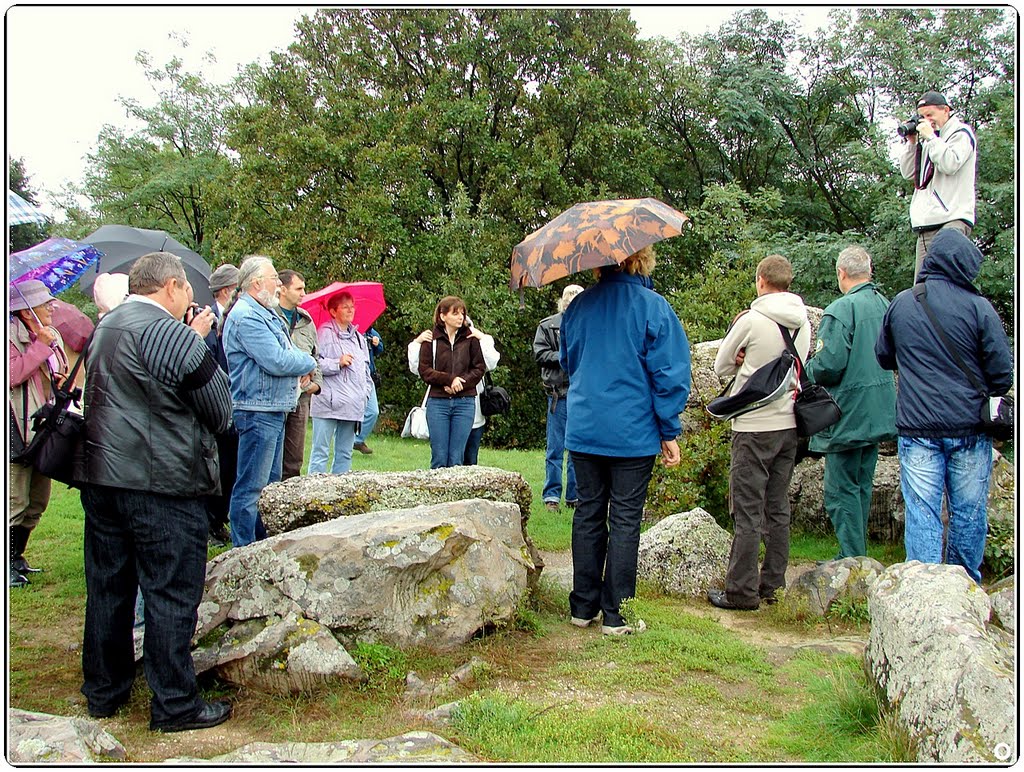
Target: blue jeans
<point>260,453</point>
<point>473,446</point>
<point>137,539</point>
<point>326,431</point>
<point>369,417</point>
<point>555,453</point>
<point>450,421</point>
<point>606,533</point>
<point>960,467</point>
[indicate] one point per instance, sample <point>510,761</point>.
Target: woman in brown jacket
<point>452,364</point>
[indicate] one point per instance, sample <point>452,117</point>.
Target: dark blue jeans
<point>606,533</point>
<point>260,458</point>
<point>158,544</point>
<point>450,421</point>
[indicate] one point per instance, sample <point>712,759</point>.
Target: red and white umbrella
<point>368,297</point>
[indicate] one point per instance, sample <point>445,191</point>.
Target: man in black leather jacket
<point>556,384</point>
<point>154,399</point>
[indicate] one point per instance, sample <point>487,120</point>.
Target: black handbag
<point>494,399</point>
<point>814,408</point>
<point>58,431</point>
<point>997,413</point>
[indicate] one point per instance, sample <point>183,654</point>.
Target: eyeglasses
<point>347,308</point>
<point>272,277</point>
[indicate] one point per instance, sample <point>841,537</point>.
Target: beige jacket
<point>757,333</point>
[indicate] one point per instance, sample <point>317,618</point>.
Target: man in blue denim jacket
<point>265,369</point>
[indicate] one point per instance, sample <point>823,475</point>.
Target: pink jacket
<point>27,359</point>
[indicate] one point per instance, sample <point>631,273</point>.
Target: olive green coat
<point>844,363</point>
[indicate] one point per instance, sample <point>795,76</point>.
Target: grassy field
<point>696,687</point>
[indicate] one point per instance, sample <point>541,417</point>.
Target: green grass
<point>686,691</point>
<point>805,546</point>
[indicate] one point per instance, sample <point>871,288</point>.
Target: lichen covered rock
<point>409,748</point>
<point>949,676</point>
<point>684,554</point>
<point>816,590</point>
<point>308,499</point>
<point>35,738</point>
<point>280,612</point>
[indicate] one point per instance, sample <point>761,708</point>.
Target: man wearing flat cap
<point>941,158</point>
<point>35,357</point>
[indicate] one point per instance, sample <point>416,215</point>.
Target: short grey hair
<point>150,273</point>
<point>855,262</point>
<point>250,270</point>
<point>570,292</point>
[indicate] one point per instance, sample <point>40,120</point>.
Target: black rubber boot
<point>19,540</point>
<point>17,579</point>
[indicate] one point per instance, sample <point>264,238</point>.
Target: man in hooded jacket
<point>942,449</point>
<point>764,441</point>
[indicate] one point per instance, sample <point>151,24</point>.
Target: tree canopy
<point>418,146</point>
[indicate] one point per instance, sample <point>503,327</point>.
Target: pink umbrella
<point>368,296</point>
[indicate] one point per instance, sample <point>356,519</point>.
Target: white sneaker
<point>583,622</point>
<point>639,627</point>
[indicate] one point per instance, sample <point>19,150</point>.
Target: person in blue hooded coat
<point>942,448</point>
<point>628,362</point>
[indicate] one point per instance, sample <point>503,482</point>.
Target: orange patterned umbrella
<point>591,235</point>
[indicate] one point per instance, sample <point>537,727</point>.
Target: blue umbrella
<point>58,263</point>
<point>20,211</point>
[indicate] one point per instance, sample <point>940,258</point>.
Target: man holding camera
<point>940,156</point>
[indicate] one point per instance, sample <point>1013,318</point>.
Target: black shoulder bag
<point>814,408</point>
<point>58,430</point>
<point>494,399</point>
<point>997,413</point>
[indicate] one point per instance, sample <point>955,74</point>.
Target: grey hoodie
<point>756,332</point>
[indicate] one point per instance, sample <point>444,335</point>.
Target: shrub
<point>1000,554</point>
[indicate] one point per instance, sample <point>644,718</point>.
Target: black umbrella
<point>122,245</point>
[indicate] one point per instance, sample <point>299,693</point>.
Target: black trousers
<point>606,533</point>
<point>158,543</point>
<point>760,470</point>
<point>218,507</point>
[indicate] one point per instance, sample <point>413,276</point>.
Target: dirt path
<point>780,643</point>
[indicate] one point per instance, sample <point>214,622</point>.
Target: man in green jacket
<point>844,362</point>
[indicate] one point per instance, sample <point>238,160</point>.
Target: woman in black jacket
<point>452,364</point>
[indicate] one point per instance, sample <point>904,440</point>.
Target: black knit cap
<point>933,99</point>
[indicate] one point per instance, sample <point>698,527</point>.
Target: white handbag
<point>416,421</point>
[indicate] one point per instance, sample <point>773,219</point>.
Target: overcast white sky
<point>65,67</point>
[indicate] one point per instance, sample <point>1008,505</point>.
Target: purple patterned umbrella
<point>58,263</point>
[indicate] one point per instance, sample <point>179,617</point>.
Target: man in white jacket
<point>941,158</point>
<point>764,441</point>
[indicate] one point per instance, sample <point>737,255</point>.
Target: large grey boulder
<point>948,675</point>
<point>308,499</point>
<point>684,554</point>
<point>807,500</point>
<point>41,738</point>
<point>850,578</point>
<point>409,748</point>
<point>280,612</point>
<point>1002,494</point>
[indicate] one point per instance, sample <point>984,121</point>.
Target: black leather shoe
<point>105,712</point>
<point>718,598</point>
<point>211,714</point>
<point>17,579</point>
<point>769,600</point>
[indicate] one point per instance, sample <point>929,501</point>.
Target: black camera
<point>909,126</point>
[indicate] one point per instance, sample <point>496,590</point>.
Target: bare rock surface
<point>409,748</point>
<point>1003,597</point>
<point>817,589</point>
<point>35,738</point>
<point>684,554</point>
<point>280,613</point>
<point>949,676</point>
<point>308,499</point>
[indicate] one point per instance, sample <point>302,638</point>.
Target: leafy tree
<point>28,234</point>
<point>158,176</point>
